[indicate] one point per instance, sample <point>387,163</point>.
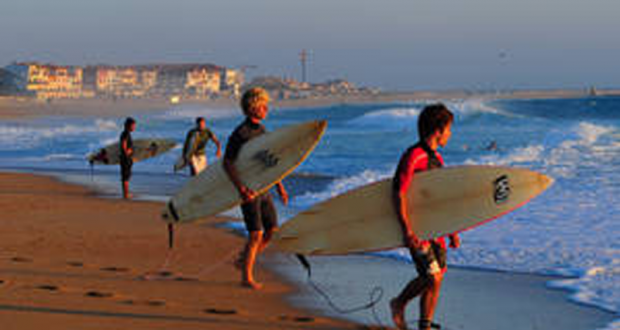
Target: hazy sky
<point>402,44</point>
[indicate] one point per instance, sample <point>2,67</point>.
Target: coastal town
<point>173,82</point>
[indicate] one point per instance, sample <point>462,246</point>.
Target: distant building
<point>8,83</point>
<point>232,80</point>
<point>283,88</point>
<point>198,81</point>
<point>203,82</point>
<point>123,82</point>
<point>47,81</point>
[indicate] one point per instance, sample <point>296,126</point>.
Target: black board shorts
<point>430,260</point>
<point>126,166</point>
<point>260,214</point>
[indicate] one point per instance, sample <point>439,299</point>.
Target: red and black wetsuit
<point>419,158</point>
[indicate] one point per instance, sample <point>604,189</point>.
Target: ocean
<point>572,229</point>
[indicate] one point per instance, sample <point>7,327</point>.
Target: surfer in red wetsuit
<point>434,130</point>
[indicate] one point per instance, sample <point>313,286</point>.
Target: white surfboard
<point>142,149</point>
<point>440,202</point>
<point>262,162</point>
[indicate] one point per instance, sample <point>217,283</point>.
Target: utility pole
<point>303,58</point>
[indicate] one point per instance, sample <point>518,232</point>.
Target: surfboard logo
<point>267,158</point>
<point>502,189</point>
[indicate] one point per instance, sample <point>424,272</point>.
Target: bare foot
<point>398,315</point>
<point>128,196</point>
<point>251,285</point>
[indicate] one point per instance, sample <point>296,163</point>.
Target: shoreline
<point>471,298</point>
<point>19,108</point>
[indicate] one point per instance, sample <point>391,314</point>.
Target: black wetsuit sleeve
<point>235,142</point>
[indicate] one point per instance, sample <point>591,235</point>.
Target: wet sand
<point>470,298</point>
<point>71,260</point>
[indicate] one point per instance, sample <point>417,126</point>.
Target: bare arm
<point>246,193</point>
<point>410,239</point>
<point>218,145</point>
<point>282,192</point>
<point>402,180</point>
<point>126,150</point>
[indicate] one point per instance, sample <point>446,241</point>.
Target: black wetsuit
<point>126,161</point>
<point>260,213</point>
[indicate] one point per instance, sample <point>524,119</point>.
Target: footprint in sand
<point>21,259</point>
<point>98,294</point>
<point>220,311</point>
<point>164,273</point>
<point>48,287</point>
<point>153,303</point>
<point>300,319</point>
<point>185,279</point>
<point>115,269</point>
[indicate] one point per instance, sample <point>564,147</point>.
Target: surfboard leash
<point>375,295</point>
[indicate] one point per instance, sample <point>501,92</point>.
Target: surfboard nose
<point>545,181</point>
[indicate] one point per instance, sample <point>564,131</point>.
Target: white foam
<point>16,136</point>
<point>406,117</point>
<point>340,186</point>
<point>561,154</point>
<point>395,118</point>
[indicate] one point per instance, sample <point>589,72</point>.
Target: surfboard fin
<point>305,263</point>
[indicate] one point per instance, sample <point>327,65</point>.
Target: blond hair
<point>252,99</point>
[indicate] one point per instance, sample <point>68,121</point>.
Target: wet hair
<point>128,122</point>
<point>252,99</point>
<point>199,119</point>
<point>434,117</point>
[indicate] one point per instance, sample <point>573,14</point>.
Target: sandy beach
<point>71,260</point>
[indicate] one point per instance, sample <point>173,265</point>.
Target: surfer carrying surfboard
<point>195,145</point>
<point>434,130</point>
<point>126,155</point>
<point>259,213</point>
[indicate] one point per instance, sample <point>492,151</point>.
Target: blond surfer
<point>259,212</point>
<point>434,130</point>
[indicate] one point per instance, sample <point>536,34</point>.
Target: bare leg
<point>251,250</point>
<point>126,194</point>
<point>418,286</point>
<point>267,238</point>
<point>428,301</point>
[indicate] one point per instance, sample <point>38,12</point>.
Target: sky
<point>390,44</point>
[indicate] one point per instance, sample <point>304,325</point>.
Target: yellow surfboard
<point>143,149</point>
<point>262,162</point>
<point>440,202</point>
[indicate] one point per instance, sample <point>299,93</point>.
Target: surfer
<point>126,155</point>
<point>492,146</point>
<point>195,145</point>
<point>259,213</point>
<point>434,130</point>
